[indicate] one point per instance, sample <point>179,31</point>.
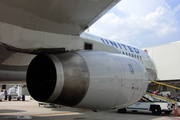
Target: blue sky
<point>141,23</point>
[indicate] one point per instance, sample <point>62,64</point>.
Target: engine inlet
<point>41,76</point>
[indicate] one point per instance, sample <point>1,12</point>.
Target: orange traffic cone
<point>176,109</point>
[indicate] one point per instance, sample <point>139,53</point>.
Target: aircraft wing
<point>69,17</point>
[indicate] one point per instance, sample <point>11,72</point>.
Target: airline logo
<point>120,46</point>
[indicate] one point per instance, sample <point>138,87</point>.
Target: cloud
<point>141,21</point>
<point>140,7</point>
<point>161,21</point>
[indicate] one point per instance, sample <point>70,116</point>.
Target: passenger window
<point>129,54</point>
<point>123,53</point>
<point>140,58</point>
<point>126,53</point>
<point>137,57</point>
<point>132,55</point>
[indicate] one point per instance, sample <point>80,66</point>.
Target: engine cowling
<point>87,79</point>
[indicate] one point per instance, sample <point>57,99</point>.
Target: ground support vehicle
<point>14,92</point>
<point>155,107</point>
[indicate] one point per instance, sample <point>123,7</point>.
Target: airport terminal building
<point>167,60</point>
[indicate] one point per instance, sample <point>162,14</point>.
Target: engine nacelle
<point>87,79</point>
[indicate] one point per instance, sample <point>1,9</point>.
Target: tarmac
<point>29,109</point>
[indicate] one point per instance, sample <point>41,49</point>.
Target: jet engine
<point>87,79</point>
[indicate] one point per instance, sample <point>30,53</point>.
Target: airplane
<point>42,45</point>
